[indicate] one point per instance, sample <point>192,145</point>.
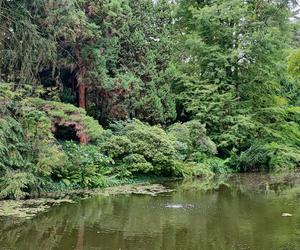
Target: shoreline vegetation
<point>95,94</point>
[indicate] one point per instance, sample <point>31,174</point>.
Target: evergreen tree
<point>234,73</point>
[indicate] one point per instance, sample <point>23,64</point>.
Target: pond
<point>239,212</point>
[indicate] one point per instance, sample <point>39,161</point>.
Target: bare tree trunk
<point>80,78</point>
<point>81,92</point>
<point>81,86</point>
<point>83,139</point>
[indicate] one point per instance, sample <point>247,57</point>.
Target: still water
<point>240,212</point>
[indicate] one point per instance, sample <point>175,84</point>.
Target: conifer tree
<point>234,75</point>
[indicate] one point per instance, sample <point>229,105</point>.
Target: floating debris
<point>286,215</point>
<point>152,189</point>
<point>174,206</point>
<point>27,209</point>
<point>178,206</point>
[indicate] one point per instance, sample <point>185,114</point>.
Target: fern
<point>16,184</point>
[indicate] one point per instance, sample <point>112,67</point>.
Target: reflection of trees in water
<point>245,183</point>
<point>47,231</point>
<point>80,237</point>
<point>273,185</point>
<point>213,183</point>
<point>219,219</point>
<point>44,232</point>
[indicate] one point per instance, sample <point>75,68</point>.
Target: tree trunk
<point>83,139</point>
<point>80,77</point>
<point>81,92</point>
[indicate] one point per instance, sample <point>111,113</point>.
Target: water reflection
<point>237,212</point>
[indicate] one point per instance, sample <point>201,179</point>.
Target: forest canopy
<point>97,93</point>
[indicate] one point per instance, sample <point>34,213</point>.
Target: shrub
<point>142,149</point>
<point>268,156</point>
<point>205,165</point>
<point>191,137</point>
<point>16,184</point>
<point>28,150</point>
<point>66,113</point>
<point>138,148</point>
<point>86,166</point>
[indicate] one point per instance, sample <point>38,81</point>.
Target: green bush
<point>197,149</point>
<point>191,137</point>
<point>28,151</point>
<point>26,157</point>
<point>85,167</point>
<point>208,165</point>
<point>57,112</point>
<point>16,184</point>
<point>140,148</point>
<point>268,156</point>
<point>278,146</point>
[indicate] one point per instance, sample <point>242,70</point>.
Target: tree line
<point>164,88</point>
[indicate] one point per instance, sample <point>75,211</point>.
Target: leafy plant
<point>86,166</point>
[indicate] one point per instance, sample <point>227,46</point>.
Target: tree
<point>24,50</point>
<point>232,74</point>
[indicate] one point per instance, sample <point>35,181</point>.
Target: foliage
<point>24,49</point>
<point>233,77</point>
<point>85,167</point>
<point>269,156</point>
<point>14,184</point>
<point>187,88</point>
<point>31,155</point>
<point>27,147</point>
<point>191,137</point>
<point>66,113</point>
<point>139,148</point>
<point>294,64</point>
<point>119,51</point>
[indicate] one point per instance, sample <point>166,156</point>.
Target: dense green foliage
<point>164,88</point>
<point>234,79</point>
<point>35,161</point>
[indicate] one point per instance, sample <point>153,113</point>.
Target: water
<point>242,212</point>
